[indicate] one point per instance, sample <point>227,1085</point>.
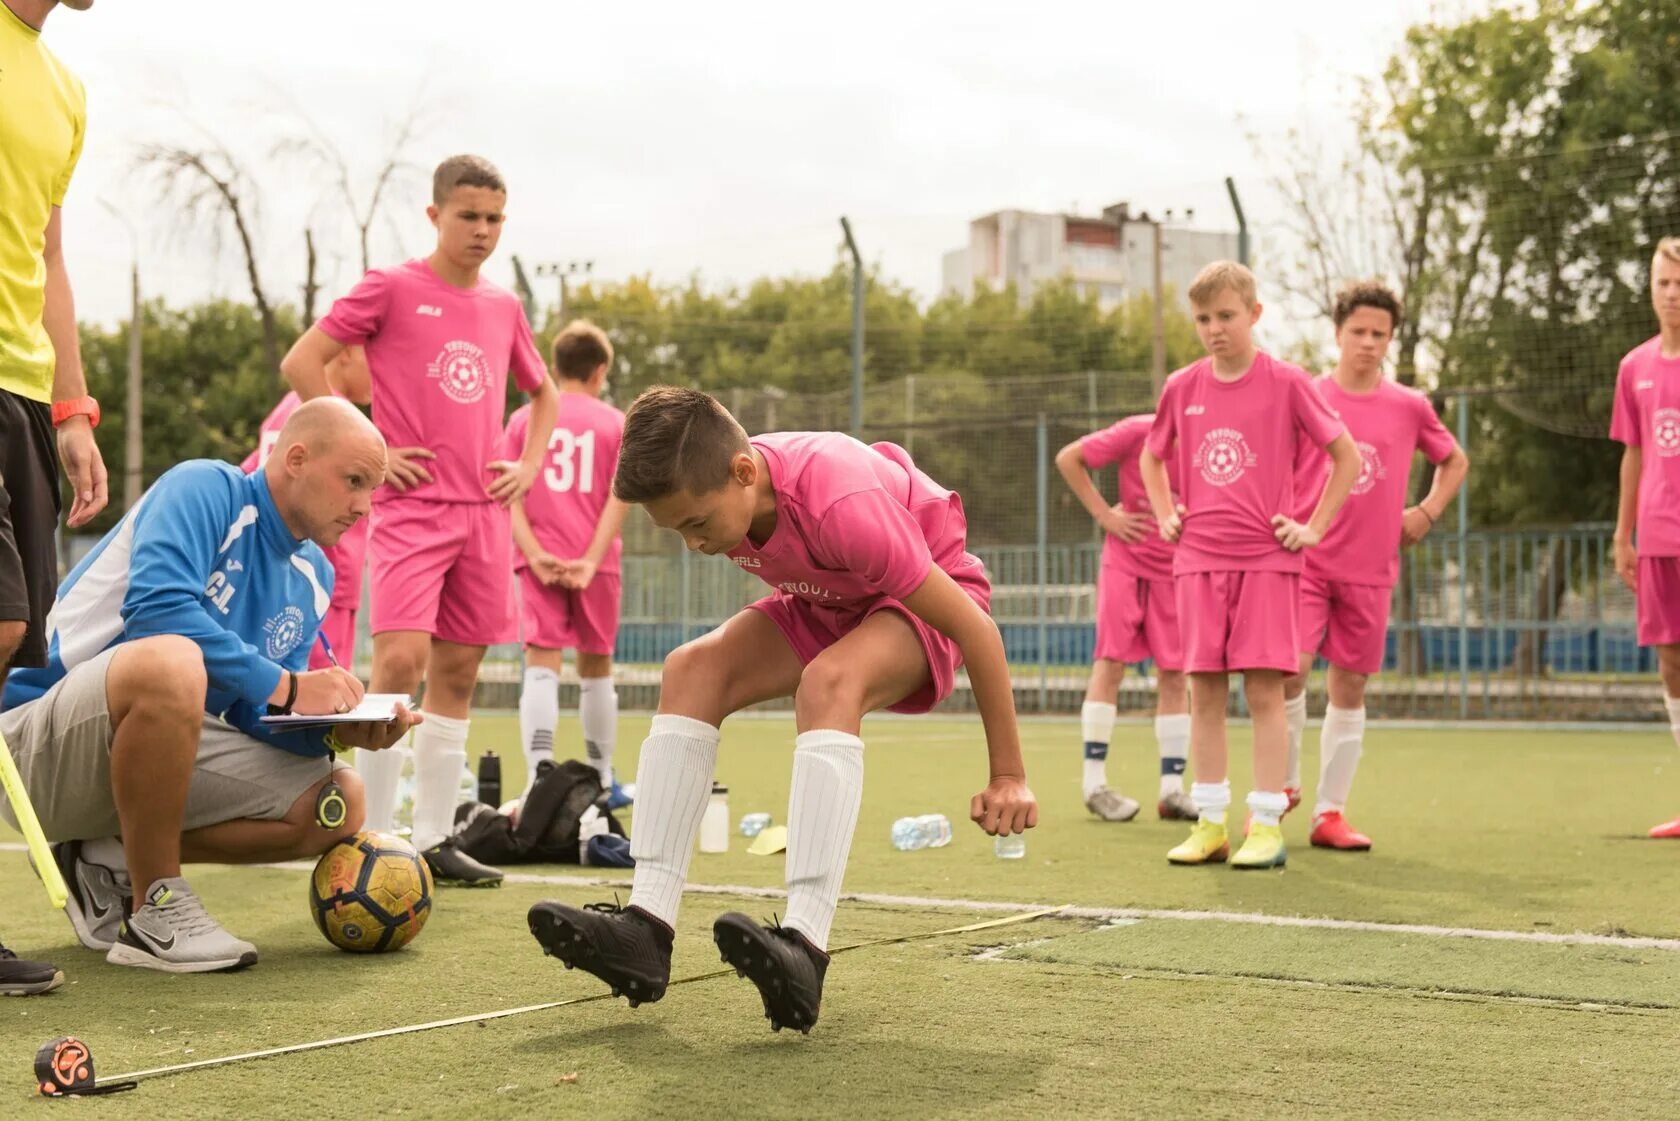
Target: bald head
<point>324,468</point>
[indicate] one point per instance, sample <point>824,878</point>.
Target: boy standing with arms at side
<point>441,342</point>
<point>567,533</point>
<point>877,604</point>
<point>1137,618</point>
<point>1349,579</point>
<point>1235,422</point>
<point>1646,421</point>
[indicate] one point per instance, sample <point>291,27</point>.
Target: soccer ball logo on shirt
<point>284,632</point>
<point>1371,469</point>
<point>461,370</point>
<point>1665,432</point>
<point>1223,457</point>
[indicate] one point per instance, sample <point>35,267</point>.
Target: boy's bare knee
<point>829,691</point>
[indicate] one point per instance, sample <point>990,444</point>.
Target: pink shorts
<point>810,630</point>
<point>349,558</point>
<point>339,628</point>
<point>1238,620</point>
<point>556,618</point>
<point>1347,623</point>
<point>1137,619</point>
<point>445,568</point>
<point>1659,601</point>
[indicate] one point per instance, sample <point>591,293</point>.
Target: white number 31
<point>571,462</point>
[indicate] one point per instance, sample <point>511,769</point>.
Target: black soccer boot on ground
<point>787,969</point>
<point>626,947</point>
<point>450,865</point>
<point>20,977</point>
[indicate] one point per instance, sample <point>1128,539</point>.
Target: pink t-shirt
<point>855,523</point>
<point>1389,425</point>
<point>565,505</point>
<point>439,357</point>
<point>346,557</point>
<point>1236,447</point>
<point>1647,416</point>
<point>1122,443</point>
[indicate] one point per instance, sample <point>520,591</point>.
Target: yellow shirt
<point>43,113</point>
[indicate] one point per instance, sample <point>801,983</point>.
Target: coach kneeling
<point>140,743</point>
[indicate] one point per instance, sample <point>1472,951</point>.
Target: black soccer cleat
<point>787,969</point>
<point>450,865</point>
<point>21,977</point>
<point>624,946</point>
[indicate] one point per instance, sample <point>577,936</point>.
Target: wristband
<point>291,697</point>
<point>1426,513</point>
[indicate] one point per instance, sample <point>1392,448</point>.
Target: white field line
<point>1102,914</point>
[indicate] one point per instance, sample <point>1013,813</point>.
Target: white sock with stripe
<point>1295,716</point>
<point>440,755</point>
<point>1096,727</point>
<point>1340,741</point>
<point>598,711</point>
<point>539,715</point>
<point>822,816</point>
<point>673,781</point>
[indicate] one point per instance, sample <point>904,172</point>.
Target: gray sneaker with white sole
<point>97,893</point>
<point>171,931</point>
<point>1111,805</point>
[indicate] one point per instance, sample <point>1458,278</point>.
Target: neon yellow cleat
<point>1207,844</point>
<point>1263,849</point>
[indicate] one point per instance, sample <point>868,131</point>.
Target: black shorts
<point>29,508</point>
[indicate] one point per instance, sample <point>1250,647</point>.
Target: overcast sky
<point>719,139</point>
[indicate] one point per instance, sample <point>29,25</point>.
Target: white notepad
<point>376,708</point>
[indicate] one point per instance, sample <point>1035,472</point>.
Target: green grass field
<point>1522,832</point>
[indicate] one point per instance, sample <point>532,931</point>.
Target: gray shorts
<point>62,746</point>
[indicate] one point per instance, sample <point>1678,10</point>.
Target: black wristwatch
<point>291,697</point>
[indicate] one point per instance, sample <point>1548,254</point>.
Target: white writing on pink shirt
<point>1665,431</point>
<point>747,562</point>
<point>461,370</point>
<point>801,588</point>
<point>1371,469</point>
<point>1223,457</point>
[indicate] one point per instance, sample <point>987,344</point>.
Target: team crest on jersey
<point>1371,469</point>
<point>1223,457</point>
<point>461,370</point>
<point>284,632</point>
<point>1665,432</point>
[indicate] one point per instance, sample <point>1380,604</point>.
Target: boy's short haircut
<point>580,349</point>
<point>676,439</point>
<point>1367,293</point>
<point>1669,248</point>
<point>464,171</point>
<point>1220,275</point>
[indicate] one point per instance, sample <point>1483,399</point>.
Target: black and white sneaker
<point>96,896</point>
<point>787,969</point>
<point>626,947</point>
<point>450,865</point>
<point>172,932</point>
<point>21,977</point>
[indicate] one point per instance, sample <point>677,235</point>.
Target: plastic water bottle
<point>714,823</point>
<point>754,824</point>
<point>929,831</point>
<point>1010,846</point>
<point>489,778</point>
<point>468,789</point>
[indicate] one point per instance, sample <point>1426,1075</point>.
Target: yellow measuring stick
<point>45,866</point>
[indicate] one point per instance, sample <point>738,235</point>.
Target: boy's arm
<point>1159,488</point>
<point>516,476</point>
<point>1344,472</point>
<point>1627,514</point>
<point>1007,804</point>
<point>581,571</point>
<point>305,365</point>
<point>1450,474</point>
<point>1070,461</point>
<point>546,565</point>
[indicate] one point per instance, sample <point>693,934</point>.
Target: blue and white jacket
<point>204,554</point>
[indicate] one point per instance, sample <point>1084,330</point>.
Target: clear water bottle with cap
<point>928,831</point>
<point>754,824</point>
<point>714,824</point>
<point>1010,846</point>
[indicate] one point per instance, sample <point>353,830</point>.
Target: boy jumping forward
<point>1236,421</point>
<point>877,604</point>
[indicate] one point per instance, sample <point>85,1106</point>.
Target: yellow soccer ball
<point>371,893</point>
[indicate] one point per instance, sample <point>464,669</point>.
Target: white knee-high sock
<point>539,713</point>
<point>1295,716</point>
<point>381,773</point>
<point>1211,800</point>
<point>598,711</point>
<point>1096,727</point>
<point>822,816</point>
<point>673,781</point>
<point>440,754</point>
<point>1340,741</point>
<point>1172,736</point>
